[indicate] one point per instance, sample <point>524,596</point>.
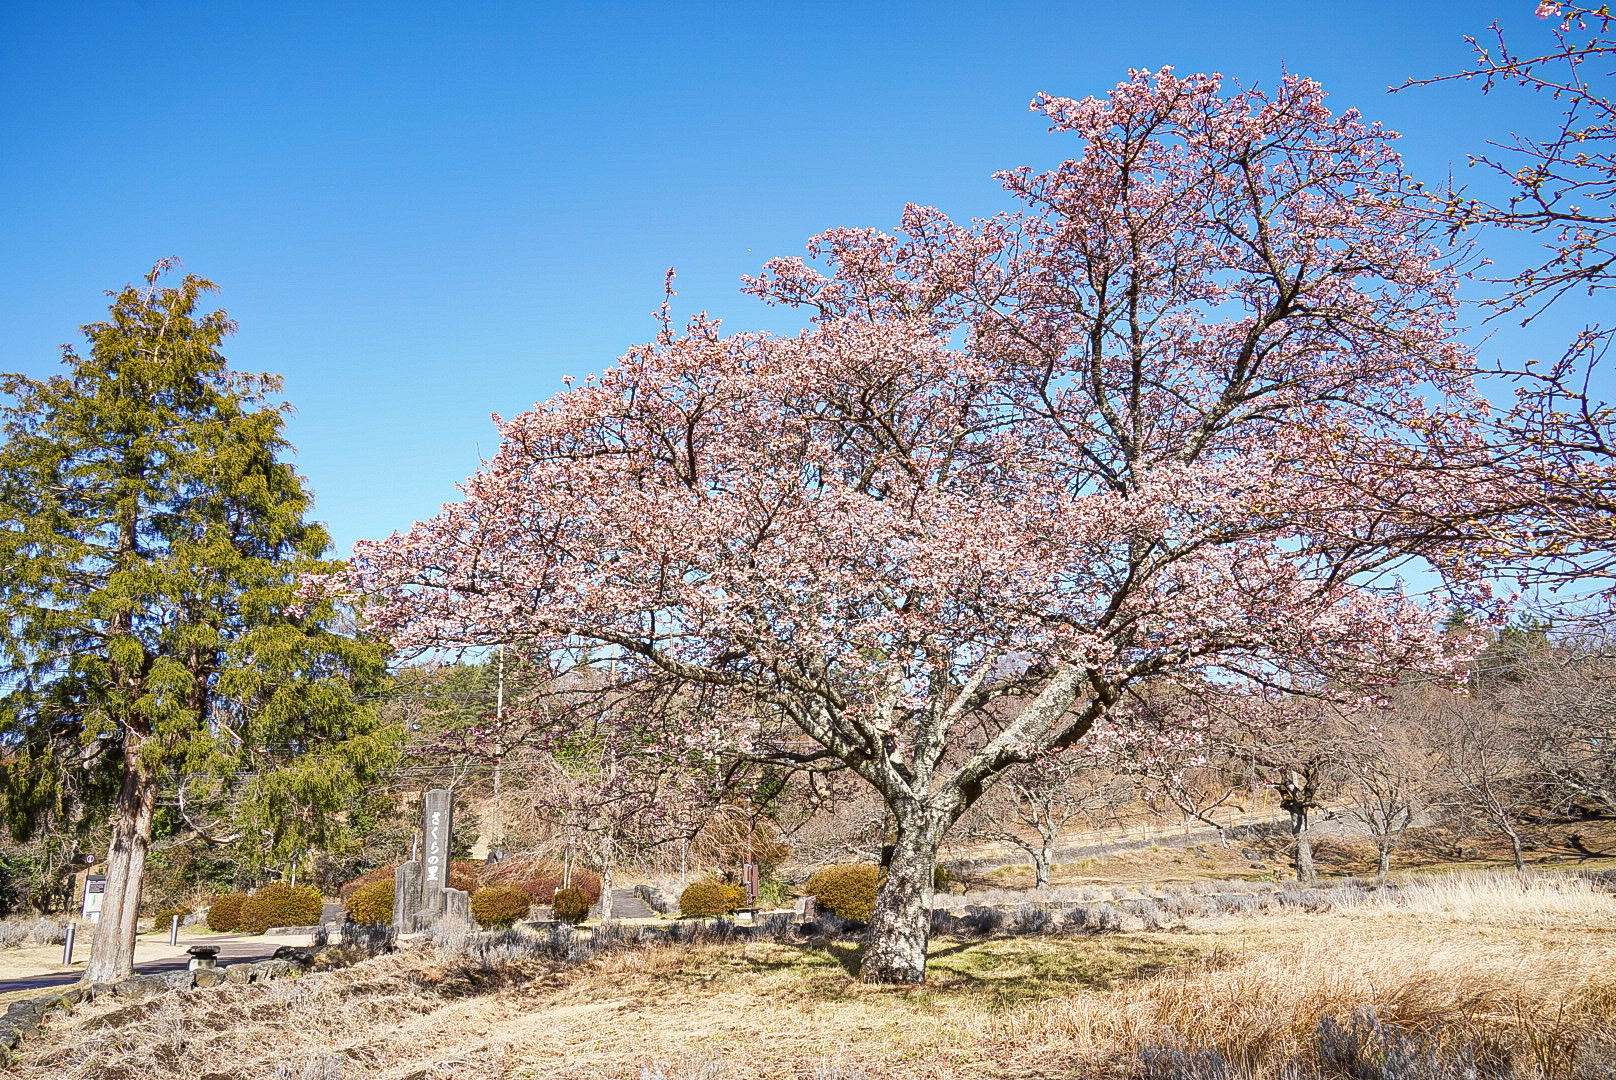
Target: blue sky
<point>422,215</point>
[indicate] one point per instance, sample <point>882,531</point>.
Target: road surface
<point>155,958</point>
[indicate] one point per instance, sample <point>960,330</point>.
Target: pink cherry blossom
<point>1140,436</point>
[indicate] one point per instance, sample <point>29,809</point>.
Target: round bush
<point>280,904</point>
<point>571,906</point>
<point>706,898</point>
<point>372,903</point>
<point>163,919</point>
<point>225,912</point>
<point>501,905</point>
<point>848,891</point>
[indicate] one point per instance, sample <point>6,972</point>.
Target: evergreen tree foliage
<point>151,542</point>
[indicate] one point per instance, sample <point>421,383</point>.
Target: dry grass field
<point>1513,980</point>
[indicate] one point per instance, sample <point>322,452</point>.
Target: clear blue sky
<point>424,214</point>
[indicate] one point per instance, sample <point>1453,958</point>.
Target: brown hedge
<point>541,878</point>
<point>463,875</point>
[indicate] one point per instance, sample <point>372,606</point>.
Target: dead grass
<point>1525,973</point>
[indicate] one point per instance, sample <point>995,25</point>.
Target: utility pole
<point>498,830</point>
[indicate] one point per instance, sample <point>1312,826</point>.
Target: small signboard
<point>95,890</point>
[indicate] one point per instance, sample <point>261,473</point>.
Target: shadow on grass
<point>1014,970</point>
<point>809,954</point>
<point>1002,970</point>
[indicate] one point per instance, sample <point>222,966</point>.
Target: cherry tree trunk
<point>112,951</point>
<point>900,925</point>
<point>1304,845</point>
<point>1043,863</point>
<point>1385,864</point>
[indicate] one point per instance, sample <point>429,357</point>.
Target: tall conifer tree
<point>151,540</point>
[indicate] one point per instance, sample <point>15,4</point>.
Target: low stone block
<point>26,1009</point>
<point>272,969</point>
<point>208,977</point>
<point>237,973</point>
<point>141,986</point>
<point>9,1036</point>
<point>57,1003</point>
<point>295,955</point>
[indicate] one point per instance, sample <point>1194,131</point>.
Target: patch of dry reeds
<point>1530,1010</point>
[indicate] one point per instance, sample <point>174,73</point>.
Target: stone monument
<point>421,893</point>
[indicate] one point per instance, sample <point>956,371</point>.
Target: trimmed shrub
<point>501,905</point>
<point>848,891</point>
<point>225,912</point>
<point>706,898</point>
<point>372,903</point>
<point>163,919</point>
<point>280,904</point>
<point>571,906</point>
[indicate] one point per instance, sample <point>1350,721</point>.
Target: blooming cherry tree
<point>1013,472</point>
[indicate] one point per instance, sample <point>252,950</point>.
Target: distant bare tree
<point>1299,757</point>
<point>1035,803</point>
<point>1562,701</point>
<point>1387,783</point>
<point>1483,768</point>
<point>1195,788</point>
<point>845,822</point>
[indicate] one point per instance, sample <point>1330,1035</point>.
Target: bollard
<point>67,945</point>
<point>174,930</point>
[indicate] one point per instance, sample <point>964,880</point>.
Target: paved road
<point>233,949</point>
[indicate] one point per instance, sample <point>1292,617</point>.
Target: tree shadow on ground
<point>1004,969</point>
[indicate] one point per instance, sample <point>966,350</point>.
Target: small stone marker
<point>203,957</point>
<point>457,911</point>
<point>406,897</point>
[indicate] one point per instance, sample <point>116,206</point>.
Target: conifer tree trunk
<point>112,953</point>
